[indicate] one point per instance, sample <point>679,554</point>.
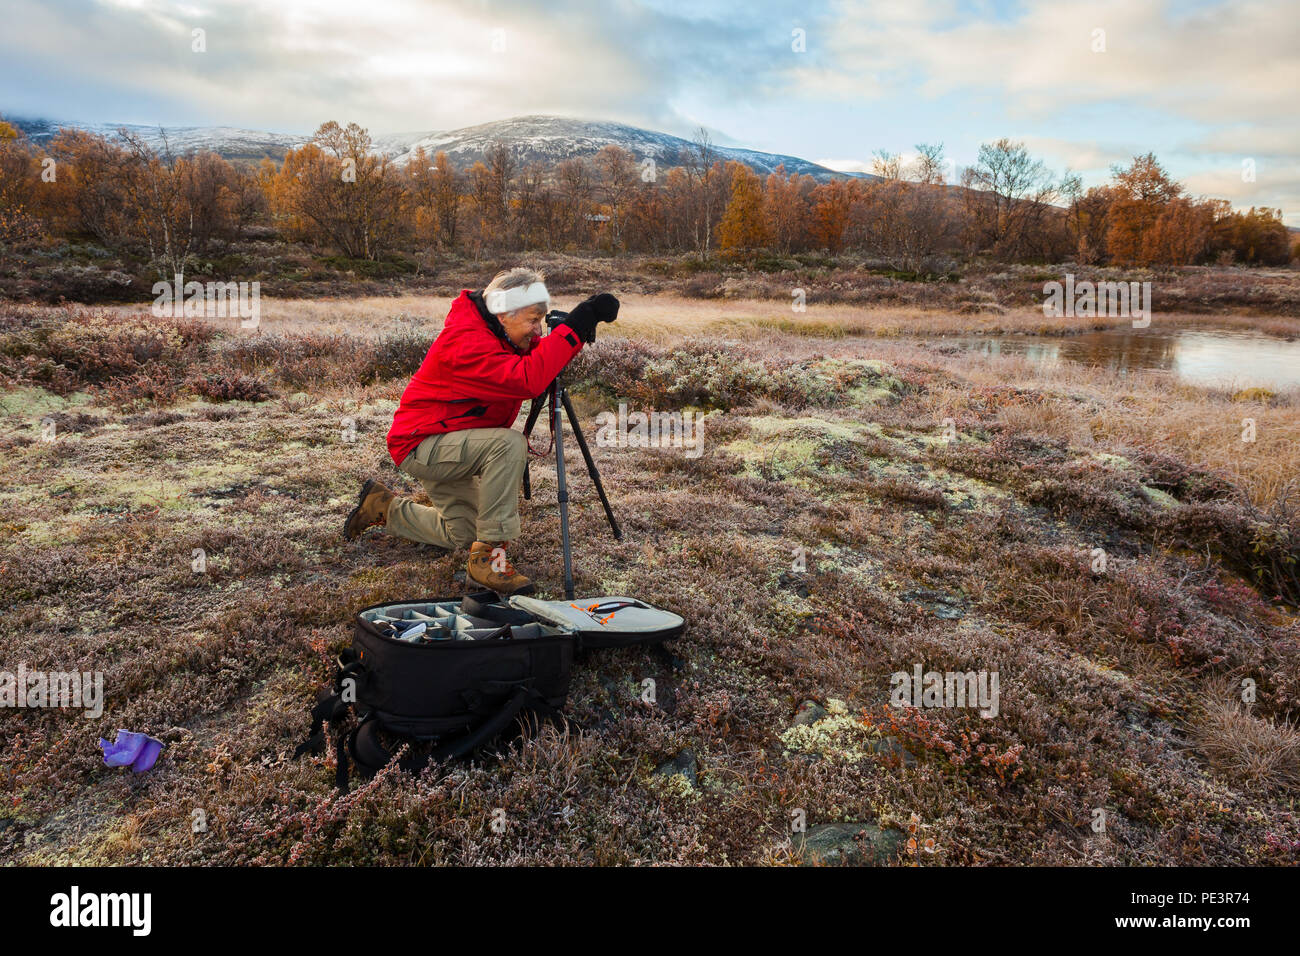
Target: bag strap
<point>490,728</point>
<point>346,744</point>
<point>331,707</point>
<point>342,745</point>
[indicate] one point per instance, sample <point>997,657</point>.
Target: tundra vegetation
<point>862,506</point>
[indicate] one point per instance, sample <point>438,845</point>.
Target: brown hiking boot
<point>371,509</point>
<point>489,568</point>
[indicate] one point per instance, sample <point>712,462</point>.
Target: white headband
<point>507,300</point>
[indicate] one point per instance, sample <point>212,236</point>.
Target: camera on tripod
<point>555,317</point>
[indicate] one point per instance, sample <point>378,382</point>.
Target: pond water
<point>1202,356</point>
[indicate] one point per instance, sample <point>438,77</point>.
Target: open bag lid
<point>605,621</point>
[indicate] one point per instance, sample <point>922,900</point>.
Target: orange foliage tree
<point>335,191</point>
<point>831,205</point>
<point>787,209</point>
<point>17,176</point>
<point>743,227</point>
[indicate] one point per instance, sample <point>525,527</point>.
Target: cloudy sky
<point>1210,87</point>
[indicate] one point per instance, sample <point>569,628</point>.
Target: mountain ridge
<point>542,138</point>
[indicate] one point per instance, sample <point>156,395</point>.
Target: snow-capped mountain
<point>550,139</point>
<point>228,141</point>
<point>543,139</point>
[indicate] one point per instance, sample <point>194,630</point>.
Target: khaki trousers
<point>472,477</point>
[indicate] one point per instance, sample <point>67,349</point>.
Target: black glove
<point>585,315</point>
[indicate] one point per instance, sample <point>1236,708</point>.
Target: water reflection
<point>1217,357</point>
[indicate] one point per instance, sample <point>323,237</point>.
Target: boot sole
<point>365,490</point>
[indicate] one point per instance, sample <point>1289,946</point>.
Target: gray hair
<point>514,278</point>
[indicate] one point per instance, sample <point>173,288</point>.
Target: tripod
<point>557,399</point>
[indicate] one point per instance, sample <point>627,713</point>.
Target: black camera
<point>555,317</point>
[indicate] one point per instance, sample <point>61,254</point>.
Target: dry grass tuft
<point>1246,749</point>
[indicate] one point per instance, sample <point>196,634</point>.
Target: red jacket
<point>473,378</point>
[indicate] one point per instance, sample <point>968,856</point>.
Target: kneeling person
<point>452,429</point>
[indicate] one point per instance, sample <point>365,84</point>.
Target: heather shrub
<point>300,362</point>
<point>395,355</point>
<point>154,385</point>
<point>1261,545</point>
<point>1184,481</point>
<point>98,347</point>
<point>225,388</point>
<point>614,366</point>
<point>76,347</point>
<point>700,376</point>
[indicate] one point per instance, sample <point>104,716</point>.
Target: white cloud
<point>1235,62</point>
<point>1077,156</point>
<point>845,165</point>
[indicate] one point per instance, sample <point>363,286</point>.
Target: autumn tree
<point>337,191</point>
<point>18,177</point>
<point>707,190</point>
<point>1086,218</point>
<point>646,219</point>
<point>86,196</point>
<point>786,208</point>
<point>435,192</point>
<point>1179,234</point>
<point>576,186</point>
<point>1008,196</point>
<point>1142,190</point>
<point>214,196</point>
<point>886,165</point>
<point>447,191</point>
<point>419,186</point>
<point>1257,237</point>
<point>904,216</point>
<point>158,203</point>
<point>536,208</point>
<point>831,208</point>
<point>617,170</point>
<point>743,227</point>
<point>929,165</point>
<point>495,193</point>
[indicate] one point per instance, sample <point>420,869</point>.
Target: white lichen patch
<point>1118,462</point>
<point>1161,499</point>
<point>830,428</point>
<point>839,734</point>
<point>675,786</point>
<point>32,402</point>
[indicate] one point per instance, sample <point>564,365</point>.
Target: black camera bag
<point>495,661</point>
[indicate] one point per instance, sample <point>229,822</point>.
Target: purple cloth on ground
<point>138,751</point>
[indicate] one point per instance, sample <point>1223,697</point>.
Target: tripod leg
<point>534,409</point>
<point>591,465</point>
<point>562,490</point>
